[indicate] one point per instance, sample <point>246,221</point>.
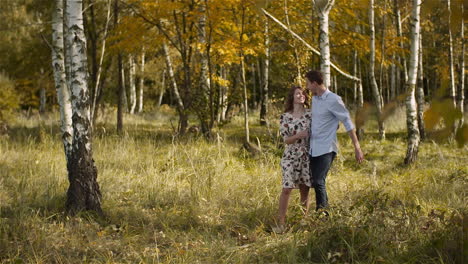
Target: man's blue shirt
<point>327,111</point>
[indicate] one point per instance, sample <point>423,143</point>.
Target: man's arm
<point>339,110</point>
<point>357,148</point>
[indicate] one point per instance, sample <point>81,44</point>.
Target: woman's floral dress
<point>295,161</point>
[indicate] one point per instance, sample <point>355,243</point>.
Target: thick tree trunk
<point>83,192</point>
<point>132,84</point>
<point>141,83</point>
<point>265,82</point>
<point>60,78</point>
<point>375,89</point>
<point>323,8</point>
<point>420,91</point>
<point>411,111</point>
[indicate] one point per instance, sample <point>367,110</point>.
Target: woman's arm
<point>294,138</point>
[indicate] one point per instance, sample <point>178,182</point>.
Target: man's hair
<point>315,76</point>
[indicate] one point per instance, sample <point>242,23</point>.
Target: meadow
<point>188,200</point>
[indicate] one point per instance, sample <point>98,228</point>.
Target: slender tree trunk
<point>141,83</point>
<point>401,59</point>
<point>323,8</point>
<point>298,78</point>
<point>58,66</point>
<point>375,89</point>
<point>163,88</point>
<point>393,78</point>
<point>461,83</point>
<point>205,107</point>
<point>266,70</point>
<point>83,192</point>
<point>183,118</point>
<point>132,84</point>
<point>124,85</point>
<point>452,88</point>
<point>223,98</point>
<point>411,111</point>
<point>120,88</point>
<point>97,85</point>
<point>359,119</point>
<point>254,87</point>
<point>420,91</point>
<point>42,99</point>
<point>355,84</point>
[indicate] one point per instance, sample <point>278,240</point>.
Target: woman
<point>294,128</point>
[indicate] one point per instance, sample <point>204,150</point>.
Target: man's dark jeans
<point>319,167</point>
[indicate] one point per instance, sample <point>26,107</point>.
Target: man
<point>327,111</point>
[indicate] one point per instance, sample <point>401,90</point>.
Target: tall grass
<point>187,200</point>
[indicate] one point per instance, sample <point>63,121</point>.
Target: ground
<point>169,200</point>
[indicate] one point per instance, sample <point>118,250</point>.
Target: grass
<point>192,201</point>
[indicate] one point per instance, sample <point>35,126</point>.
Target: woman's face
<point>299,97</point>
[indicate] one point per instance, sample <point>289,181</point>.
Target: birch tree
<point>60,78</point>
<point>452,88</point>
<point>420,91</point>
<point>266,70</point>
<point>323,8</point>
<point>461,83</point>
<point>142,83</point>
<point>83,192</point>
<point>132,84</point>
<point>411,111</point>
<point>205,107</point>
<point>375,89</point>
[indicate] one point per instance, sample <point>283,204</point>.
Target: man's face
<point>311,86</point>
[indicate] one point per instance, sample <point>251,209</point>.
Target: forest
<point>147,131</point>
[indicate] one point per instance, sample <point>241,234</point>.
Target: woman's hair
<point>289,102</point>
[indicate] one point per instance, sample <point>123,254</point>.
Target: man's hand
<point>359,155</point>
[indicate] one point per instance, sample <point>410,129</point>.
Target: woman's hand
<point>299,135</point>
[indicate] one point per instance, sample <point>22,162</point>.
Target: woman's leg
<point>283,205</point>
<point>304,191</point>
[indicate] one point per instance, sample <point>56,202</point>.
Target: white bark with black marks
<point>60,78</point>
<point>266,71</point>
<point>375,89</point>
<point>141,83</point>
<point>83,192</point>
<point>323,8</point>
<point>411,108</point>
<point>132,84</point>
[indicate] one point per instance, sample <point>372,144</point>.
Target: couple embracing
<point>311,143</point>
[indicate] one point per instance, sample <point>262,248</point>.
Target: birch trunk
<point>323,8</point>
<point>60,78</point>
<point>411,111</point>
<point>132,84</point>
<point>359,119</point>
<point>375,89</point>
<point>97,86</point>
<point>163,88</point>
<point>298,78</point>
<point>204,78</point>
<point>401,59</point>
<point>420,91</point>
<point>83,192</point>
<point>120,88</point>
<point>461,83</point>
<point>265,83</point>
<point>183,118</point>
<point>222,100</point>
<point>254,87</point>
<point>141,83</point>
<point>452,88</point>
